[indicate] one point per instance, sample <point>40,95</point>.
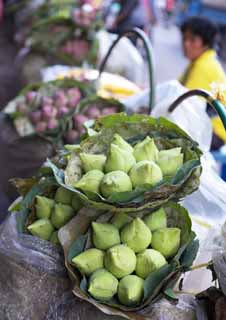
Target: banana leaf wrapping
<point>135,128</point>
<point>75,238</point>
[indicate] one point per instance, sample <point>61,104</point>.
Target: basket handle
<point>149,52</point>
<point>215,103</point>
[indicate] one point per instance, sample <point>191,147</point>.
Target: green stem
<point>215,104</point>
<point>149,52</point>
<point>200,266</point>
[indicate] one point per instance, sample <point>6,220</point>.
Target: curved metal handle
<point>149,51</point>
<point>215,104</point>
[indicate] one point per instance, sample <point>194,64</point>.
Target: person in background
<point>204,70</point>
<point>134,13</point>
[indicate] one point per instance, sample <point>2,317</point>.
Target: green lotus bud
<point>93,161</point>
<point>76,203</point>
<point>120,260</point>
<point>145,172</point>
<point>121,143</point>
<point>115,181</point>
<point>89,261</point>
<point>61,215</point>
<point>120,219</point>
<point>136,235</point>
<point>90,181</point>
<point>131,290</point>
<point>63,196</point>
<point>41,228</point>
<point>43,207</point>
<point>148,261</point>
<point>166,241</point>
<point>102,285</point>
<point>156,220</point>
<point>170,161</point>
<point>54,238</point>
<point>146,150</point>
<point>119,159</point>
<point>105,235</point>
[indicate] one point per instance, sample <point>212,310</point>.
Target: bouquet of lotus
<point>122,262</point>
<point>131,162</point>
<point>45,109</point>
<point>44,207</point>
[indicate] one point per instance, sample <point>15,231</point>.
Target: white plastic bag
<point>190,115</point>
<point>125,58</point>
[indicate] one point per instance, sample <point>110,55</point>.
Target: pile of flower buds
<point>45,112</point>
<point>93,111</point>
<point>77,48</point>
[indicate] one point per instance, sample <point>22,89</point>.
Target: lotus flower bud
<point>119,159</point>
<point>74,93</point>
<point>145,172</point>
<point>62,111</point>
<point>105,235</point>
<point>109,110</point>
<point>52,124</point>
<point>61,215</point>
<point>102,285</point>
<point>30,95</point>
<point>47,100</point>
<point>35,116</point>
<point>89,261</point>
<point>120,219</point>
<point>79,120</point>
<point>131,290</point>
<point>166,241</point>
<point>63,196</point>
<point>121,143</point>
<point>146,150</point>
<point>156,220</point>
<point>22,108</point>
<point>136,235</point>
<point>93,112</point>
<point>90,181</point>
<point>41,127</point>
<point>149,261</point>
<point>76,203</point>
<point>41,228</point>
<point>43,207</point>
<point>73,102</point>
<point>54,238</point>
<point>120,260</point>
<point>92,161</point>
<point>170,161</point>
<point>115,181</point>
<point>71,136</point>
<point>47,112</point>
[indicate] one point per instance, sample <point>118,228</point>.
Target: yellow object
<point>110,85</point>
<point>207,73</point>
<point>203,72</point>
<point>218,128</point>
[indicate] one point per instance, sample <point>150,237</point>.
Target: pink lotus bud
<point>80,49</point>
<point>71,136</point>
<point>74,97</point>
<point>30,95</point>
<point>22,108</point>
<point>62,111</point>
<point>41,127</point>
<point>35,116</point>
<point>68,47</point>
<point>47,100</point>
<point>54,112</point>
<point>93,112</point>
<point>52,124</point>
<point>79,120</point>
<point>109,110</point>
<point>47,112</point>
